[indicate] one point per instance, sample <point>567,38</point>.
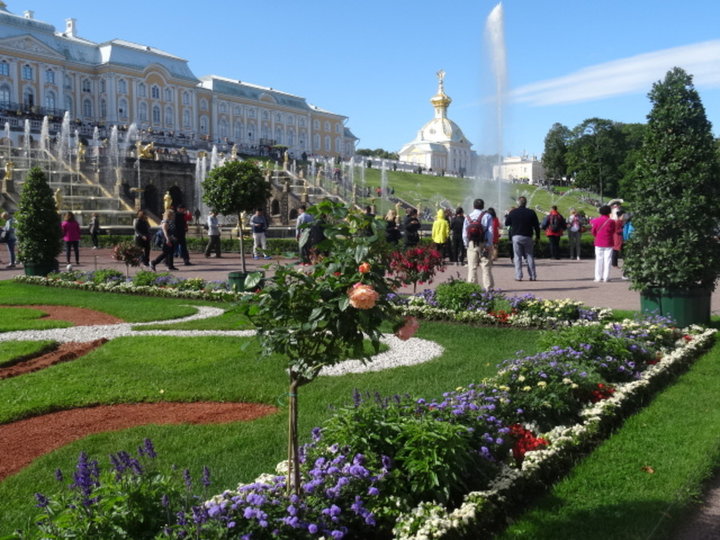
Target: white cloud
<point>632,75</point>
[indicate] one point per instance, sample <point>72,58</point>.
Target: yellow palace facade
<point>47,72</point>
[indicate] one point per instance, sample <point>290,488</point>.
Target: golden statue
<point>167,201</point>
<point>58,199</point>
<point>81,152</point>
<point>9,165</point>
<point>144,152</point>
<point>201,154</point>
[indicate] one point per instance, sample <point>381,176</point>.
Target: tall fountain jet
<point>495,39</point>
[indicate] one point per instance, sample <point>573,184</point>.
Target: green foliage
<point>38,222</point>
<point>107,274</point>
<point>145,278</point>
<point>237,186</point>
<point>554,157</point>
<point>12,352</point>
<point>456,294</point>
<point>678,193</point>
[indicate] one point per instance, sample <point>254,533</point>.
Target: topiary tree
<point>315,316</point>
<point>677,207</point>
<point>38,223</point>
<point>234,188</point>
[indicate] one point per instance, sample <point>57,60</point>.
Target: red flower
<point>364,268</point>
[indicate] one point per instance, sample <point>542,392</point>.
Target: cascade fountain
<point>26,142</point>
<point>44,137</point>
<point>130,137</point>
<point>96,145</point>
<point>214,159</point>
<point>495,38</point>
<point>63,146</point>
<point>384,180</point>
<point>114,148</point>
<point>7,138</point>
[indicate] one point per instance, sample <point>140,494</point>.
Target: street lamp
<point>591,130</point>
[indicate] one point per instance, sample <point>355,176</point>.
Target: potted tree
<point>38,226</point>
<point>673,257</point>
<point>234,188</point>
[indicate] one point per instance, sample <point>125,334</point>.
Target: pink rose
<point>408,329</point>
<point>362,296</point>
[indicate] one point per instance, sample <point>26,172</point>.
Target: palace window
<point>337,128</point>
<point>186,98</point>
<point>316,142</point>
<point>338,145</point>
<point>102,86</point>
<point>203,124</point>
<point>203,105</point>
<point>223,128</point>
<point>50,76</point>
<point>168,94</point>
<point>327,143</point>
<point>4,95</point>
<point>86,86</point>
<point>251,113</point>
<point>301,122</point>
<point>265,115</point>
<point>278,118</point>
<point>27,72</point>
<point>156,114</point>
<point>290,138</point>
<point>237,111</point>
<point>142,90</point>
<point>122,86</point>
<point>222,108</point>
<point>4,68</point>
<point>123,109</point>
<point>279,136</point>
<point>186,118</point>
<point>238,133</point>
<point>103,108</point>
<point>87,108</point>
<point>155,91</point>
<point>316,125</point>
<point>29,97</point>
<point>327,126</point>
<point>143,112</point>
<point>169,116</point>
<point>69,105</point>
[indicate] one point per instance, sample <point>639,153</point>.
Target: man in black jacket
<point>523,222</point>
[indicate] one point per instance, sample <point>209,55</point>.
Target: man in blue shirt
<point>479,250</point>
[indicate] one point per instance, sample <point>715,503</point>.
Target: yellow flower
<point>526,388</point>
<point>542,384</point>
<point>521,378</point>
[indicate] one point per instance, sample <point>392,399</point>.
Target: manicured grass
<point>219,369</point>
<point>645,479</point>
<point>11,351</point>
<point>27,319</point>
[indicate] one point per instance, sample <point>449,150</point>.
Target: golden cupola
<point>441,101</point>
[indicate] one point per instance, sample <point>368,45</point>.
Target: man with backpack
<point>523,221</point>
<point>554,226</point>
<point>478,239</point>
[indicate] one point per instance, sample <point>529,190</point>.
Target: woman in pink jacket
<point>71,236</point>
<point>603,229</point>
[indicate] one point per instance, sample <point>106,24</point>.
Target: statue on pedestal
<point>9,165</point>
<point>58,199</point>
<point>167,201</point>
<point>234,152</point>
<point>286,159</point>
<point>81,152</point>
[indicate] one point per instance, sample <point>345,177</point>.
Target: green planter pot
<point>40,269</point>
<point>237,281</point>
<point>685,306</point>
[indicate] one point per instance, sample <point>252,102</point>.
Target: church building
<point>440,144</point>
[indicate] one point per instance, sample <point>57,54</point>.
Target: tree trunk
<point>242,243</point>
<point>293,474</point>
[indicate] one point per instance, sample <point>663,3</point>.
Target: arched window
<point>290,120</point>
<point>327,143</point>
<point>186,118</point>
<point>264,132</point>
<point>278,135</point>
<point>27,72</point>
<point>301,138</point>
<point>222,107</point>
<point>69,105</point>
<point>186,98</point>
<point>5,95</point>
<point>316,142</point>
<point>142,90</point>
<point>168,94</point>
<point>251,113</point>
<point>103,108</point>
<point>87,108</point>
<point>337,128</point>
<point>237,111</point>
<point>102,86</point>
<point>4,68</point>
<point>239,129</point>
<point>301,122</point>
<point>316,124</point>
<point>86,86</point>
<point>223,128</point>
<point>50,100</point>
<point>50,76</point>
<point>123,109</point>
<point>203,124</point>
<point>122,86</point>
<point>327,126</point>
<point>265,115</point>
<point>143,112</point>
<point>203,105</point>
<point>155,91</point>
<point>338,145</point>
<point>290,137</point>
<point>251,130</point>
<point>278,118</point>
<point>169,116</point>
<point>156,114</point>
<point>29,97</point>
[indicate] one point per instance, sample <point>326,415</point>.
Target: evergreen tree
<point>38,221</point>
<point>677,207</point>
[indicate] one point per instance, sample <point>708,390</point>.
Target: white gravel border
<point>401,353</point>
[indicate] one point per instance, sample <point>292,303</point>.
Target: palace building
<point>440,145</point>
<point>47,72</point>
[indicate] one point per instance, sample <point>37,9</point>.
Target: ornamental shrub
<point>38,222</point>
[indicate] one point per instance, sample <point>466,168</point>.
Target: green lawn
<point>12,351</point>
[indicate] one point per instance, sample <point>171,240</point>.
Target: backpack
<point>554,223</point>
<point>159,238</point>
<point>475,230</point>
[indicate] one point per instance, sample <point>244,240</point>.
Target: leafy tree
<point>378,153</point>
<point>677,209</point>
<point>554,158</point>
<point>38,222</point>
<point>234,188</point>
<point>634,134</point>
<point>316,316</point>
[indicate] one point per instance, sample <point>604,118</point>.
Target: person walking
<point>392,231</point>
<point>603,229</point>
<point>167,226</point>
<point>618,238</point>
<point>575,229</point>
<point>496,233</point>
<point>259,225</point>
<point>457,225</point>
<point>71,235</point>
<point>213,235</point>
<point>554,226</point>
<point>440,231</point>
<point>478,240</point>
<point>523,222</point>
<point>141,226</point>
<point>302,234</point>
<point>10,238</point>
<point>94,229</point>
<point>182,217</point>
<point>412,228</point>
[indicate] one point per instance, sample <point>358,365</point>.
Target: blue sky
<point>375,62</point>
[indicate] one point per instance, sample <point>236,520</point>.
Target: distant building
<point>46,72</point>
<point>440,144</point>
<point>525,169</point>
